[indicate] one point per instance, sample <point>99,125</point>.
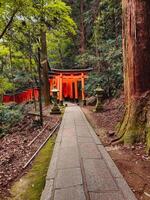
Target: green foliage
<point>58,49</point>
<point>4,85</point>
<point>108,23</point>
<point>108,70</point>
<point>102,23</point>
<point>4,51</point>
<point>18,55</point>
<point>13,9</point>
<point>104,48</point>
<point>110,81</point>
<point>9,116</point>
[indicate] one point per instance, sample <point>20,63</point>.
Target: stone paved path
<point>80,168</point>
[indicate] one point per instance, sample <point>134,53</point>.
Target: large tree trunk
<point>136,46</point>
<point>44,64</point>
<point>82,29</point>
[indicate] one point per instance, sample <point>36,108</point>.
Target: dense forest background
<point>98,43</point>
<point>93,39</point>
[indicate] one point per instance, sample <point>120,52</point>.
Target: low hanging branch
<point>9,23</point>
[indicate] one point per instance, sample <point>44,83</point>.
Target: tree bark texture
<point>82,28</point>
<point>136,54</point>
<point>95,10</point>
<point>44,64</point>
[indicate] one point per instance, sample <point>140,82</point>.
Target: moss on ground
<point>30,186</point>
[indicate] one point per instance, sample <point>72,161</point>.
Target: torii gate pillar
<point>76,91</point>
<point>61,90</point>
<point>83,88</point>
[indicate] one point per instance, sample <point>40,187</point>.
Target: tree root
<point>117,140</point>
<point>135,125</point>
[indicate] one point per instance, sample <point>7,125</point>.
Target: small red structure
<point>22,96</point>
<point>69,82</point>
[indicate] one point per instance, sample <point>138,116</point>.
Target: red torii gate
<point>67,82</point>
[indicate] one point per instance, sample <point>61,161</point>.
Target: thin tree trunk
<point>95,10</point>
<point>97,53</point>
<point>40,88</point>
<point>11,69</point>
<point>82,29</point>
<point>60,55</point>
<point>2,66</point>
<point>1,98</point>
<point>136,53</point>
<point>31,70</point>
<point>44,64</point>
<point>116,31</point>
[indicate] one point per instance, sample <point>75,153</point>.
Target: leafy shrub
<point>9,116</point>
<point>110,81</point>
<point>4,86</point>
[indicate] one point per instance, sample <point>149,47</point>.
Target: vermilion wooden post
<point>70,92</point>
<point>82,85</point>
<point>58,87</point>
<point>51,86</point>
<point>76,90</point>
<point>61,89</point>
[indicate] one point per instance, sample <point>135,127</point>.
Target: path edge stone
<point>47,192</point>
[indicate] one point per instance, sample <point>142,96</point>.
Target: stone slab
<point>95,137</point>
<point>83,132</point>
<point>69,141</point>
<point>81,127</point>
<point>68,158</point>
<point>98,177</point>
<point>69,122</point>
<point>68,178</point>
<point>53,163</point>
<point>85,140</point>
<point>113,168</point>
<point>68,132</point>
<point>92,132</point>
<point>89,150</point>
<point>64,151</point>
<point>71,193</point>
<point>80,124</point>
<point>52,168</point>
<point>59,135</point>
<point>107,196</point>
<point>68,126</point>
<point>127,192</point>
<point>48,190</point>
<point>68,137</point>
